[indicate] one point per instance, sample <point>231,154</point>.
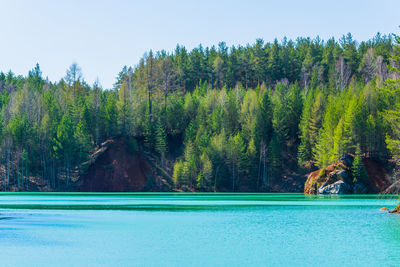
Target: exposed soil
<point>116,170</point>
<point>378,176</point>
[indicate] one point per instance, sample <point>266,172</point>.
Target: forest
<point>225,118</point>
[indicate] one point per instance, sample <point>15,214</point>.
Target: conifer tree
<point>392,114</point>
<point>358,169</point>
<point>161,141</point>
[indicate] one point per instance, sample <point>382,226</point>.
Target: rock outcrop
<point>339,187</point>
<point>337,178</point>
<point>334,179</point>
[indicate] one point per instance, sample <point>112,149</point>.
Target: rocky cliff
<point>337,178</point>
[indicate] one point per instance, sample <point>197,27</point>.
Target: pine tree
<point>274,156</point>
<point>358,169</point>
<point>304,151</point>
<point>392,114</point>
<point>205,176</point>
<point>149,135</point>
<point>64,143</point>
<point>161,145</point>
<point>125,108</point>
<point>263,120</point>
<point>81,143</point>
<point>178,173</point>
<point>190,164</point>
<point>310,124</point>
<point>294,109</point>
<point>110,115</point>
<point>250,164</point>
<point>281,113</point>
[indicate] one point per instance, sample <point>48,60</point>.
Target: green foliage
<point>161,138</point>
<point>234,114</point>
<point>359,172</point>
<point>392,113</point>
<point>149,134</point>
<point>275,154</point>
<point>178,173</point>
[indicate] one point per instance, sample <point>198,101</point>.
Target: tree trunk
<point>67,171</point>
<point>259,167</point>
<point>165,92</point>
<point>18,170</point>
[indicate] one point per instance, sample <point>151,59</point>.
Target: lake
<point>166,229</point>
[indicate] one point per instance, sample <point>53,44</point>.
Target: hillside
<point>239,119</point>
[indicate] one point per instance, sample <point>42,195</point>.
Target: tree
<point>73,76</point>
<point>359,172</point>
<point>206,173</point>
<point>81,144</point>
<point>280,113</point>
<point>218,69</point>
<point>306,68</point>
<point>161,141</point>
<point>178,173</point>
<point>343,141</point>
<point>305,147</point>
<point>392,114</point>
<point>236,158</point>
<point>323,152</point>
<point>96,110</point>
<point>263,135</point>
<point>234,114</point>
<point>368,66</point>
<point>190,164</point>
<point>110,114</point>
<point>125,108</point>
<point>350,52</point>
<point>169,74</point>
<point>274,153</point>
<point>64,143</point>
<point>150,81</point>
<point>342,73</point>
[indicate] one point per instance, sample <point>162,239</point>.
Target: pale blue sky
<point>103,36</point>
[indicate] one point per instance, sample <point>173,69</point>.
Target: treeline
<point>243,115</point>
<point>48,130</point>
<point>248,139</point>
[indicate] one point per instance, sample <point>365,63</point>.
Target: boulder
<point>339,187</point>
<point>343,175</point>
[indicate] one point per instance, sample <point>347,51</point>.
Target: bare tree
<point>96,103</point>
<point>168,73</point>
<point>381,68</point>
<point>342,73</point>
<point>368,66</point>
<point>73,75</point>
<point>218,69</point>
<point>150,81</point>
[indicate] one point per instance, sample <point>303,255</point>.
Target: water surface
<point>146,229</point>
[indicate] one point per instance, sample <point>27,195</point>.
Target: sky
<point>103,36</point>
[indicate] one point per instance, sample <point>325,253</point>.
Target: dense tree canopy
<point>238,116</point>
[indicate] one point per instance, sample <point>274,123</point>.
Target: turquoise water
<point>197,230</point>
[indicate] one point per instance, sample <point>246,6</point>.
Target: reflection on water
<point>153,229</point>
